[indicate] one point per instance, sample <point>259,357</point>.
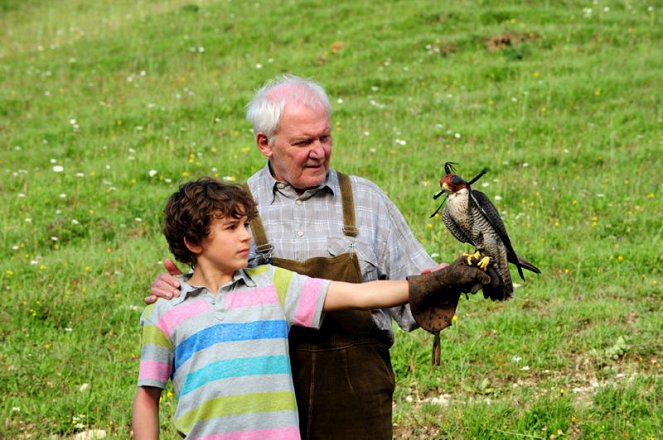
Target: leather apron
<point>342,372</point>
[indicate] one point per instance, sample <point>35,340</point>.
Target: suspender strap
<point>263,247</point>
<point>349,224</point>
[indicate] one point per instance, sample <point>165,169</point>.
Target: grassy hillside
<point>105,107</point>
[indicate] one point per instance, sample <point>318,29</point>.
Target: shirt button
<point>280,185</point>
<point>300,233</point>
<point>299,202</point>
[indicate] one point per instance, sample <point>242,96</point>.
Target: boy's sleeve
<point>156,355</point>
<point>302,297</point>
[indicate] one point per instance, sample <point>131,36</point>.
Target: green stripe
<point>282,280</point>
<point>235,405</point>
<point>148,311</point>
<point>258,270</point>
<point>154,336</point>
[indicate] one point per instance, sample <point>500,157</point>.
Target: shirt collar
<point>330,184</point>
<point>187,290</point>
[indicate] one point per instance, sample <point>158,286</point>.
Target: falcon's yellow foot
<point>476,256</point>
<point>483,263</point>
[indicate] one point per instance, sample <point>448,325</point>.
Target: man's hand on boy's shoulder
<point>165,285</point>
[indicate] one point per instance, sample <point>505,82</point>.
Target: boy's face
<point>226,248</point>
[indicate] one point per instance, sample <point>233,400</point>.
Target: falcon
<point>472,218</point>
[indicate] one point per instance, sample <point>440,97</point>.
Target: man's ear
<point>194,248</point>
<point>263,144</point>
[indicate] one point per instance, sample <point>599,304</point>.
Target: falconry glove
<point>434,296</point>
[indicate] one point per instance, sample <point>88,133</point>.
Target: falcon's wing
<point>489,212</point>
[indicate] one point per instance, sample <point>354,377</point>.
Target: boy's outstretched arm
<point>145,413</point>
<point>435,287</point>
<point>366,296</point>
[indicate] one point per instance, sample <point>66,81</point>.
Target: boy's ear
<point>194,248</point>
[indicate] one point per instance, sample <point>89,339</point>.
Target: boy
<point>223,342</point>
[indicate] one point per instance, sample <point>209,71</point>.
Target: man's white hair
<point>264,111</point>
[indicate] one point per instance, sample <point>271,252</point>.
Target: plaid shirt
<point>311,225</point>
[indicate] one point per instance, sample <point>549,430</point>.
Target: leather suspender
<point>349,224</point>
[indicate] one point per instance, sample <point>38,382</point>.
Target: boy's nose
<point>246,235</point>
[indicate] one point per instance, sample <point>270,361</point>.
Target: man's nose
<point>317,149</point>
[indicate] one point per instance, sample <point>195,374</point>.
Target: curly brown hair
<point>190,211</point>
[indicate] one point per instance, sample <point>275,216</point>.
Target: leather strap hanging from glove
<point>434,296</point>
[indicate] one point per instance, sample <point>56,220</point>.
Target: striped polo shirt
<point>227,354</point>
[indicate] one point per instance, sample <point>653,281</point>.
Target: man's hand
<point>165,285</point>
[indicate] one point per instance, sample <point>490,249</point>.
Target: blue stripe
<point>229,333</point>
<point>230,368</point>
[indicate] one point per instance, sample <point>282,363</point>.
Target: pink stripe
<point>250,298</point>
<point>180,313</point>
<point>154,370</point>
<point>272,434</point>
<point>307,302</point>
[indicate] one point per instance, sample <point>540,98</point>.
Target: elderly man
<point>317,221</point>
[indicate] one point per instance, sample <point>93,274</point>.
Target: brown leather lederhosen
<point>342,372</point>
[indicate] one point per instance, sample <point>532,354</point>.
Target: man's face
<point>301,148</point>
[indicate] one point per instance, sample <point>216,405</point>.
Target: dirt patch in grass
<point>408,432</point>
<point>496,43</point>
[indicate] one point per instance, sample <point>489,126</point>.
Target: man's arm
<point>165,285</point>
<point>145,413</point>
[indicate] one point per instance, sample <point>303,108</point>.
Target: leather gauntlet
<point>434,296</point>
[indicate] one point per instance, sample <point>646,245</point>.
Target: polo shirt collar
<point>187,290</point>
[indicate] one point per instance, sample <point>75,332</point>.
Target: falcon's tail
<point>527,265</point>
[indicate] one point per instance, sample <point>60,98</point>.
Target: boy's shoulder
<point>262,272</point>
<point>163,305</point>
<point>267,273</point>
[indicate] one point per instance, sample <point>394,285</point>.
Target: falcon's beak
<point>442,191</point>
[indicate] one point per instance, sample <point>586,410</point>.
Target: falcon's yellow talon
<point>483,264</point>
<point>475,255</point>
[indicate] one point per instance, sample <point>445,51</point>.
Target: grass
<point>105,107</point>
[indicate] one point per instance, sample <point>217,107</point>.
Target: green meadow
<point>107,106</point>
